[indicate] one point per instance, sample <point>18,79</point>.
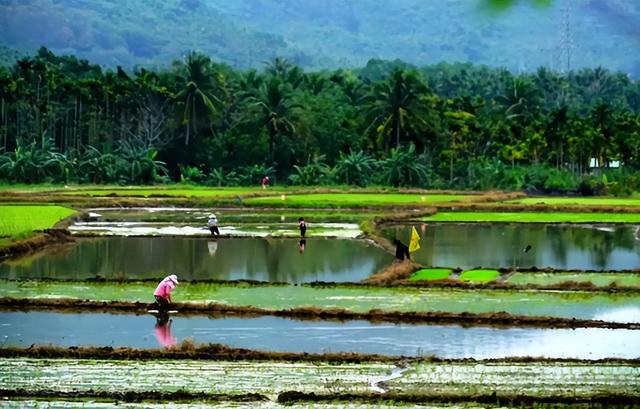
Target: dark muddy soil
<point>189,350</point>
<point>48,237</point>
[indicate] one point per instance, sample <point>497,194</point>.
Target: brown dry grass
<point>398,270</point>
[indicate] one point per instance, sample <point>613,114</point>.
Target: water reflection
<point>264,259</point>
<point>558,246</point>
<point>162,330</point>
<point>266,333</point>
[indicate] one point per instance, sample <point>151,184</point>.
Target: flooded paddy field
<point>603,279</point>
<point>285,335</point>
<point>232,222</point>
<point>579,247</point>
<point>285,382</point>
<point>261,259</point>
<point>586,305</point>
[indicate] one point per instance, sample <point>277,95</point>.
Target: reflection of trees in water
<point>499,245</point>
<point>153,258</point>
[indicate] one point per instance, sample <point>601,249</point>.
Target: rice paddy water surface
<point>589,247</point>
<point>281,334</point>
<point>262,259</point>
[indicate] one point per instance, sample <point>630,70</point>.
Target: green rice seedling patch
<point>20,220</point>
<point>430,274</point>
<point>587,201</point>
<point>479,276</point>
<point>533,217</point>
<point>560,304</point>
<point>597,279</point>
<point>354,199</point>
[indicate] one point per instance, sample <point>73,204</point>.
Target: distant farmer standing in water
<point>163,291</point>
<point>213,225</point>
<point>265,182</point>
<point>303,226</point>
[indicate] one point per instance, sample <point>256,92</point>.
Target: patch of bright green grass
<point>19,220</point>
<point>429,274</point>
<point>587,201</point>
<point>534,217</point>
<point>354,199</point>
<point>597,279</point>
<point>29,188</point>
<point>480,276</point>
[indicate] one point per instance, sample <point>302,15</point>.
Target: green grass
<point>29,188</point>
<point>565,304</point>
<point>534,217</point>
<point>597,279</point>
<point>429,274</point>
<point>587,201</point>
<point>186,191</point>
<point>354,199</point>
<point>480,276</point>
<point>20,220</point>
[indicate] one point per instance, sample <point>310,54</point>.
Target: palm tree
<point>198,99</point>
<point>276,110</point>
<point>355,167</point>
<point>397,107</point>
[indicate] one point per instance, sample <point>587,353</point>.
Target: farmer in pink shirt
<point>163,291</point>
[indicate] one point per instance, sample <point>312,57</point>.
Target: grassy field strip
<point>537,379</point>
<point>597,279</point>
<point>565,304</point>
<point>355,199</point>
<point>587,201</point>
<point>178,191</point>
<point>19,220</point>
<point>271,378</point>
<point>533,217</point>
<point>219,377</point>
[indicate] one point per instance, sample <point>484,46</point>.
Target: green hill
<point>332,33</point>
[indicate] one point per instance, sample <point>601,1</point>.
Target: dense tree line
<point>448,125</point>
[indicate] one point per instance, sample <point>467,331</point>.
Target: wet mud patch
<point>48,237</point>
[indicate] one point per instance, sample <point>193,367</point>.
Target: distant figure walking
<point>265,182</point>
<point>163,292</point>
<point>213,225</point>
<point>303,227</point>
<point>402,251</point>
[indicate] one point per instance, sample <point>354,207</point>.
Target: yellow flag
<point>415,240</point>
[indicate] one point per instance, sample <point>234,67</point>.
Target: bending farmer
<point>163,291</point>
<point>402,251</point>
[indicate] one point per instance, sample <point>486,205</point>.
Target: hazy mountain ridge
<point>330,34</point>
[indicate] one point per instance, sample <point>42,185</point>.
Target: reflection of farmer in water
<point>163,292</point>
<point>163,331</point>
<point>212,245</point>
<point>303,227</point>
<point>402,251</point>
<point>301,245</point>
<point>213,225</point>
